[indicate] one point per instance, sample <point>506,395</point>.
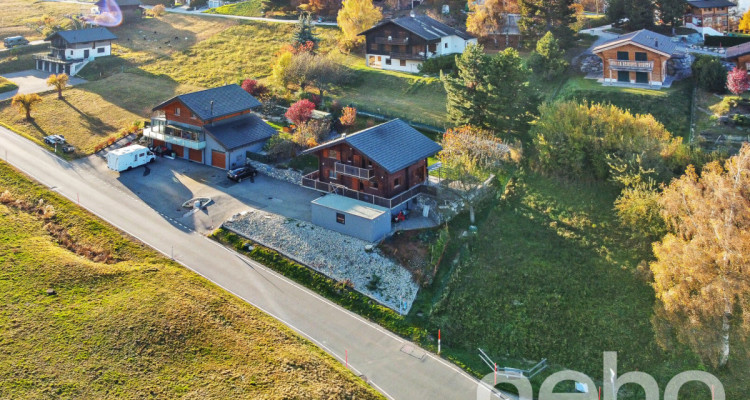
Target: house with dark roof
<point>402,44</point>
<point>384,165</point>
<point>71,50</point>
<point>214,126</point>
<point>636,58</point>
<point>713,14</point>
<point>739,55</point>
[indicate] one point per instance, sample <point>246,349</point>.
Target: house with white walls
<point>402,44</point>
<point>71,50</point>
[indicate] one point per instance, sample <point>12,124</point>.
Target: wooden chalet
<point>712,14</point>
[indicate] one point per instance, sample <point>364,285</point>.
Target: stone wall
<point>287,175</point>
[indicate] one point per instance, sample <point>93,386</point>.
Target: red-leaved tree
<point>255,88</point>
<point>737,81</point>
<point>300,111</point>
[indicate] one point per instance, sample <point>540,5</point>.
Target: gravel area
<point>334,254</point>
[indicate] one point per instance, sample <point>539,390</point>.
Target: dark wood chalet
<point>384,165</point>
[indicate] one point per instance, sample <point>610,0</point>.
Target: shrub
<point>710,73</point>
<point>300,111</point>
<point>435,65</point>
<point>158,10</point>
<point>255,88</point>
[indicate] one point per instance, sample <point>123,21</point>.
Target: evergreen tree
<point>671,11</point>
<point>303,31</point>
<point>464,87</point>
<point>548,59</point>
<point>541,16</point>
<point>641,14</point>
<point>615,10</point>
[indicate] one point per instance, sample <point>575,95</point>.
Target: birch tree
<point>702,267</point>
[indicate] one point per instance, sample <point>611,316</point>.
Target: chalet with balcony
<point>711,14</point>
<point>72,50</point>
<point>637,58</point>
<point>385,165</point>
<point>402,44</point>
<point>214,126</point>
<point>739,55</point>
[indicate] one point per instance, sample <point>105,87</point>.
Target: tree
<point>541,16</point>
<point>640,13</point>
<point>548,59</point>
<point>745,21</point>
<point>280,73</point>
<point>737,81</point>
<point>348,117</point>
<point>710,73</point>
<point>471,155</point>
<point>303,31</point>
<point>616,10</point>
<point>489,92</point>
<point>59,82</point>
<point>25,103</point>
<point>489,17</point>
<point>300,111</point>
<point>702,268</point>
<point>327,73</point>
<point>255,88</point>
<point>311,132</point>
<point>355,17</point>
<point>671,12</point>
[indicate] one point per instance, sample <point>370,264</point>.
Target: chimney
<point>412,14</point>
<point>212,108</point>
<point>656,43</point>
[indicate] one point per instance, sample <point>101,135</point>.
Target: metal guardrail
<point>191,144</point>
<point>312,181</point>
<point>393,40</point>
<point>350,170</point>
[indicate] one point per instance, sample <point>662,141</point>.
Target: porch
<point>312,181</point>
<point>165,135</point>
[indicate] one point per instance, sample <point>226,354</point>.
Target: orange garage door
<point>158,143</point>
<point>218,159</point>
<point>179,150</point>
<point>196,155</point>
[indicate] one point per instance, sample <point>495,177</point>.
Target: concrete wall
<point>453,44</point>
<point>356,226</point>
<point>373,62</point>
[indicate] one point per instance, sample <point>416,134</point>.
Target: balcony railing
<point>52,58</point>
<point>191,144</point>
<point>407,56</point>
<point>627,65</point>
<point>392,40</point>
<point>312,181</point>
<point>362,173</point>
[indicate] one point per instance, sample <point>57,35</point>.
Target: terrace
<point>312,181</point>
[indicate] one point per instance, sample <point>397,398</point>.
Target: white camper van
<point>126,158</point>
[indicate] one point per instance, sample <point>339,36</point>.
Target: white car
<point>54,139</point>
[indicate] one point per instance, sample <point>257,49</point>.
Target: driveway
<point>32,81</point>
<point>166,184</point>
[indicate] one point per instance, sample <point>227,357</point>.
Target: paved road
<point>32,43</point>
<point>183,10</point>
<point>378,355</point>
<point>32,81</point>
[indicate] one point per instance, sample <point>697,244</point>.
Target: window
<point>446,45</point>
<point>332,174</point>
<point>374,184</point>
<point>192,116</point>
<point>396,183</point>
<point>177,111</point>
<point>380,58</point>
<point>373,46</point>
<point>333,154</point>
<point>100,50</point>
<point>641,56</point>
<point>623,55</point>
<point>341,218</point>
<point>387,61</point>
<point>361,186</point>
<point>402,63</point>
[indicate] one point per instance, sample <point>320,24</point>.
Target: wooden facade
<point>632,63</point>
<point>398,43</point>
<point>178,112</point>
<point>366,176</point>
<point>709,17</point>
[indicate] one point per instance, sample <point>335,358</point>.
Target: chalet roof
<point>120,3</point>
<point>646,38</point>
<point>424,27</point>
<point>393,145</point>
<point>240,132</point>
<point>738,50</point>
<point>226,100</point>
<point>84,35</point>
<point>711,3</point>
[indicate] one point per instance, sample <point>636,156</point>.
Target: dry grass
<point>17,13</point>
<point>145,328</point>
<point>92,112</point>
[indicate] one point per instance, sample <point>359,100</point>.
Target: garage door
<point>218,159</point>
<point>159,143</point>
<point>179,150</point>
<point>196,155</point>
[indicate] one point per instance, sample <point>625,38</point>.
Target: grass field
<point>670,106</point>
<point>94,111</point>
<point>133,324</point>
<point>550,274</point>
<point>252,8</point>
<point>17,14</point>
<point>6,85</point>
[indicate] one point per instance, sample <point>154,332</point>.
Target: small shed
<point>351,217</point>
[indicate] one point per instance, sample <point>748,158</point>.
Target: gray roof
<point>240,132</point>
<point>84,35</point>
<point>103,3</point>
<point>711,3</point>
<point>424,27</point>
<point>738,50</point>
<point>393,145</point>
<point>644,37</point>
<point>226,100</point>
<point>351,206</point>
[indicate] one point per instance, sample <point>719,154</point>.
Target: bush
<point>710,73</point>
<point>255,88</point>
<point>435,65</point>
<point>300,111</point>
<point>158,10</point>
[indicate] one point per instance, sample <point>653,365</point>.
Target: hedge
<point>725,41</point>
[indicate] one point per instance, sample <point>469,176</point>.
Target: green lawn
<point>252,8</point>
<point>670,106</point>
<point>126,322</point>
<point>550,274</point>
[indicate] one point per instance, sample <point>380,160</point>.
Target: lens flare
<point>109,14</point>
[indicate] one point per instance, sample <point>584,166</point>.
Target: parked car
<point>14,41</point>
<point>54,139</point>
<point>238,174</point>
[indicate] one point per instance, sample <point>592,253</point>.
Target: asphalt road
<point>395,367</point>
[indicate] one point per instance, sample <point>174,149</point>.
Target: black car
<point>238,174</point>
